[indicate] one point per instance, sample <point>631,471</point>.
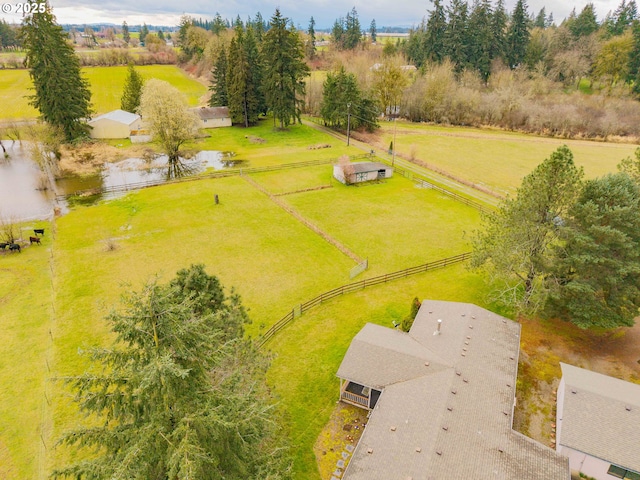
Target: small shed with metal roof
<point>598,424</point>
<point>441,400</point>
<point>358,172</point>
<point>115,124</point>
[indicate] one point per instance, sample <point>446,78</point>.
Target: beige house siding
<point>214,122</point>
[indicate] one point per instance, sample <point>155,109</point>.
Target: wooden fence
<point>217,174</point>
<point>353,287</point>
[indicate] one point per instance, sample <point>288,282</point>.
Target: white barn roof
<point>120,116</point>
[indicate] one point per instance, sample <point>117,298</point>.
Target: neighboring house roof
<point>120,116</point>
<point>602,417</point>
<point>363,167</point>
<point>453,417</point>
<point>211,113</point>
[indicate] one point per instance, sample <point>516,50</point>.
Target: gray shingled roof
<point>595,419</point>
<point>362,167</point>
<point>454,421</point>
<point>118,116</point>
<point>210,113</point>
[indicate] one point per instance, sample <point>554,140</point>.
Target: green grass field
<point>274,261</point>
<point>106,85</point>
<point>495,159</point>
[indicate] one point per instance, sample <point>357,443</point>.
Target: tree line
<point>475,37</point>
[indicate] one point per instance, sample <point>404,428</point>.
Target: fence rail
<point>217,174</point>
<point>353,287</point>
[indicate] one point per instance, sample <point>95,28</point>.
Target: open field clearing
<point>105,83</point>
<point>250,242</point>
<point>494,159</point>
<point>25,303</point>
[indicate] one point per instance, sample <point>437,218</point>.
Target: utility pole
<point>348,122</point>
<point>395,127</point>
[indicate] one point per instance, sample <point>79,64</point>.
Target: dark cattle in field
<point>33,240</point>
<point>14,246</point>
<point>38,231</point>
<point>2,245</point>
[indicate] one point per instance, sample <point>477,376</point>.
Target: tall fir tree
<point>132,90</point>
<point>144,31</point>
<point>499,27</point>
<point>62,95</point>
<point>219,95</point>
<point>242,90</point>
<point>433,45</point>
<point>456,43</point>
<point>373,31</point>
<point>481,37</point>
<point>126,36</point>
<point>541,19</point>
<point>284,84</point>
<point>518,34</point>
<point>352,30</point>
<point>311,43</point>
<point>180,394</point>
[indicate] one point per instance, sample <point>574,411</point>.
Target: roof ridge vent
<point>437,332</point>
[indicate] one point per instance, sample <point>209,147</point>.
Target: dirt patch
<point>545,343</point>
<point>255,140</point>
<point>88,159</point>
<point>339,438</point>
<point>318,146</point>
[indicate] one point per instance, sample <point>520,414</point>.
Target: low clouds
<point>325,12</point>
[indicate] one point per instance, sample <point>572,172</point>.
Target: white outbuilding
<point>358,172</point>
<point>115,124</point>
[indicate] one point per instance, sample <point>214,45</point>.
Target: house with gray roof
<point>213,117</point>
<point>115,124</point>
<point>598,424</point>
<point>441,400</point>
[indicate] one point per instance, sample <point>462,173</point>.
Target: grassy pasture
<point>106,85</point>
<point>273,260</point>
<point>25,303</point>
<point>495,159</point>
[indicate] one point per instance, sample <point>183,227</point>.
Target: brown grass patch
<point>88,158</point>
<point>546,343</point>
<point>344,428</point>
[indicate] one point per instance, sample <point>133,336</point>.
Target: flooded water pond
<point>23,192</point>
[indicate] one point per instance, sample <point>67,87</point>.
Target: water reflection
<point>21,183</point>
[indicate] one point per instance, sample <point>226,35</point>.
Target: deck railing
<point>357,399</point>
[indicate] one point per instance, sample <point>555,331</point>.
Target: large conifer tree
<point>132,90</point>
<point>285,71</point>
<point>61,93</point>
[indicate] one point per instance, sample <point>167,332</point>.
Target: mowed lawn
<point>106,84</point>
<point>25,343</point>
<point>495,159</point>
<point>394,224</point>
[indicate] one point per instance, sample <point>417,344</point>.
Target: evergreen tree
<point>518,35</point>
<point>634,63</point>
<point>144,31</point>
<point>180,394</point>
<point>219,25</point>
<point>456,36</point>
<point>584,24</point>
<point>352,30</point>
<point>414,47</point>
<point>481,37</point>
<point>499,27</point>
<point>161,35</point>
<point>433,45</point>
<point>541,19</point>
<point>242,90</point>
<point>311,44</point>
<point>596,276</point>
<point>373,32</point>
<point>62,95</point>
<point>284,84</point>
<point>257,67</point>
<point>516,244</point>
<point>343,103</point>
<point>338,34</point>
<point>219,96</point>
<point>125,32</point>
<point>132,91</point>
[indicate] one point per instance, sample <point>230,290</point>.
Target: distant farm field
<point>106,85</point>
<point>494,159</point>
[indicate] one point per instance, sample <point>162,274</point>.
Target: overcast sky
<point>168,12</point>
